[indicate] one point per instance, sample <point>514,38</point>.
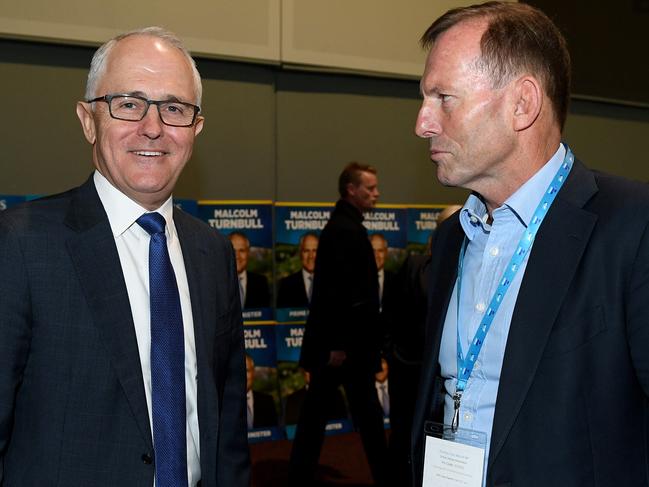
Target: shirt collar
<point>122,211</point>
<point>473,216</point>
<point>523,203</point>
<point>526,198</point>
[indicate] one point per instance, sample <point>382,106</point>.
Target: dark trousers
<point>403,385</point>
<point>366,414</point>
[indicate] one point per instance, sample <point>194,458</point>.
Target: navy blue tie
<point>167,360</point>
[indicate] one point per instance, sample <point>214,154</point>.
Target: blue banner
<point>292,220</point>
<point>188,206</point>
<point>7,201</point>
<point>260,344</point>
<point>422,223</point>
<point>289,341</point>
<point>253,218</point>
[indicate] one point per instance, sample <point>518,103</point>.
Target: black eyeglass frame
<point>108,98</point>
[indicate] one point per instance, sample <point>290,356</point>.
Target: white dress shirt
<point>383,394</point>
<point>243,286</point>
<point>381,277</point>
<point>250,401</point>
<point>132,243</point>
<point>307,278</point>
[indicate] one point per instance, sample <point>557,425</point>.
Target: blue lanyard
<point>465,364</point>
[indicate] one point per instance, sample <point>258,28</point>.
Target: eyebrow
<point>435,90</point>
<point>144,95</point>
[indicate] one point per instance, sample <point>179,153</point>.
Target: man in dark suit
<point>81,317</point>
<point>294,291</point>
<point>253,288</point>
<point>560,384</point>
<point>385,277</point>
<point>261,406</point>
<point>342,342</point>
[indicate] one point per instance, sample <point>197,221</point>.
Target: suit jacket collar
<point>346,208</point>
<point>195,256</point>
<point>94,254</point>
<point>560,243</point>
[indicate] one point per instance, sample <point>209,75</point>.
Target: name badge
<point>453,459</point>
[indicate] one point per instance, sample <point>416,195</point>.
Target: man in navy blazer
<point>75,369</point>
<point>561,383</point>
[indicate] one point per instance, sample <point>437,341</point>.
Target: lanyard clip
<point>455,424</point>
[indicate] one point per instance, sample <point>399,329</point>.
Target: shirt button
<point>474,221</point>
<point>480,307</point>
<point>476,366</point>
<point>494,251</point>
<point>468,416</point>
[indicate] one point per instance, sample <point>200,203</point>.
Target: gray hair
<point>98,63</point>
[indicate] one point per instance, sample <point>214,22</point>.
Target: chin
<point>443,178</point>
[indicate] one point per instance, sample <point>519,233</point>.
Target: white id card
<point>453,459</point>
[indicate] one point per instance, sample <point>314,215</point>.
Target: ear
<point>528,102</point>
<point>87,119</point>
<point>351,189</point>
<point>198,125</point>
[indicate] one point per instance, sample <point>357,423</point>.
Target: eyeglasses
<point>133,108</point>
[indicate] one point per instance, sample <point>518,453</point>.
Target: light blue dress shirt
<point>489,249</point>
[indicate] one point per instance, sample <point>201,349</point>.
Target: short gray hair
<point>98,63</point>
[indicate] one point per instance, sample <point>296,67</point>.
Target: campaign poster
<point>249,226</point>
<point>262,394</point>
<point>422,223</point>
<point>7,201</point>
<point>297,233</point>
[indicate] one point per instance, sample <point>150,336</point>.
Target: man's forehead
<point>148,64</point>
<point>379,241</point>
<point>310,240</point>
<point>368,178</point>
<point>238,240</point>
<point>455,52</point>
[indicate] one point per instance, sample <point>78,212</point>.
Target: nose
<point>151,125</point>
<point>427,124</point>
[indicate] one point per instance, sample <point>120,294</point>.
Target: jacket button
<point>147,459</point>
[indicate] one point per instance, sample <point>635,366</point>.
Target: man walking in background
<point>342,340</point>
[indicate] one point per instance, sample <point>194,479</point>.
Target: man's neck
<point>525,164</point>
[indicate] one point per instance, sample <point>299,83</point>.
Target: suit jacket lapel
<point>94,255</point>
<point>439,292</point>
<point>559,246</point>
<point>195,257</point>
